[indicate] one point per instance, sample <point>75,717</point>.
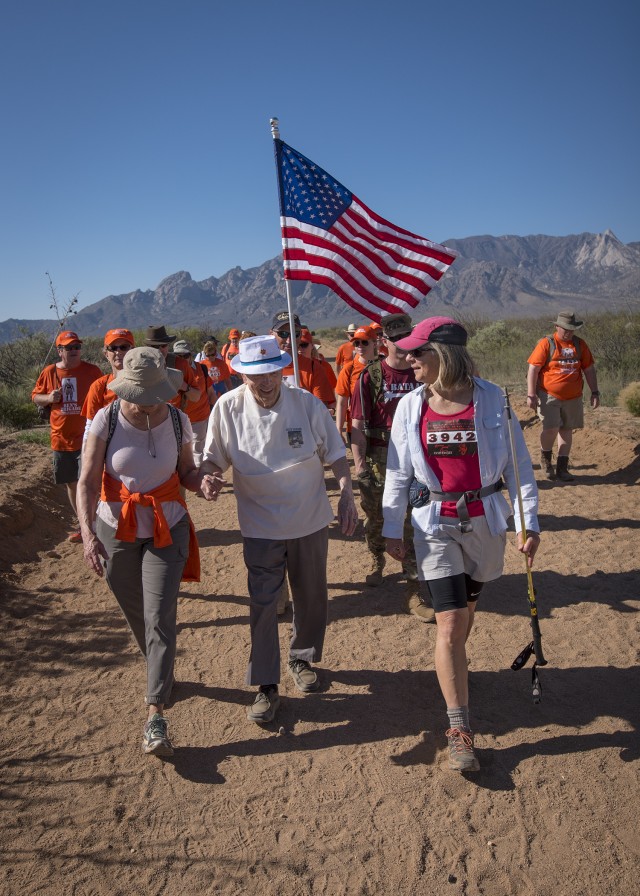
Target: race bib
<point>451,438</point>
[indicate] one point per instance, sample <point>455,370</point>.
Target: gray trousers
<point>305,560</point>
<point>145,581</point>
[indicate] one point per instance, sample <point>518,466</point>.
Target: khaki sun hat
<point>145,378</point>
<point>567,320</point>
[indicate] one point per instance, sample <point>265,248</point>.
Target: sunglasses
<point>119,348</point>
<point>363,342</point>
<point>304,344</point>
<point>419,352</point>
<point>285,334</point>
<point>71,348</point>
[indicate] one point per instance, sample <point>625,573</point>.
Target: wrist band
<point>596,393</point>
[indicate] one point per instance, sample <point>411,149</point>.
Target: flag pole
<point>275,133</point>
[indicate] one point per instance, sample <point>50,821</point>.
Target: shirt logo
<point>295,438</point>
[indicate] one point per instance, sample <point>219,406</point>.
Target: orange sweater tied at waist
<point>114,490</point>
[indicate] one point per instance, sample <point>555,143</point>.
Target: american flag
<point>329,236</point>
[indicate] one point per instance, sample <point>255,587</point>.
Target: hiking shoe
<point>155,739</point>
<point>263,708</point>
<point>303,675</point>
<point>562,469</point>
<point>375,577</point>
<point>546,463</point>
<point>417,607</point>
<point>461,755</point>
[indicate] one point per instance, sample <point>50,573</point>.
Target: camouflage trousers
<point>371,484</point>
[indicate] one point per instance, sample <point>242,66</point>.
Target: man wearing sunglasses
<point>373,404</point>
<point>63,387</point>
<point>312,377</point>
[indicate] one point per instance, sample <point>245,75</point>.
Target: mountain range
<point>493,277</point>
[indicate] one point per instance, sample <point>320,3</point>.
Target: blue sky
<point>136,142</point>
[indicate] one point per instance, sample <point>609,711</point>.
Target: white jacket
<point>406,460</point>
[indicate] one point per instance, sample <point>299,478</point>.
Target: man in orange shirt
<point>308,348</point>
<point>157,337</point>
<point>554,389</point>
<point>345,351</point>
<point>365,349</point>
<point>63,388</point>
<point>312,378</point>
<point>116,345</point>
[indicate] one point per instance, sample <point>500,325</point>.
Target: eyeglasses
<point>360,342</point>
<point>419,352</point>
<point>304,344</point>
<point>285,334</point>
<point>119,348</point>
<point>211,356</point>
<point>71,348</point>
<point>394,338</point>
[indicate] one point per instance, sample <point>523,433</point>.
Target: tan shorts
<point>449,552</point>
<point>558,414</point>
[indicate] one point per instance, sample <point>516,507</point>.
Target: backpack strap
<point>374,369</point>
<point>114,410</point>
<point>112,418</point>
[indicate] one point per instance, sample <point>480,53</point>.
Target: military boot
<point>417,602</point>
<point>375,577</point>
<point>547,465</point>
<point>562,469</point>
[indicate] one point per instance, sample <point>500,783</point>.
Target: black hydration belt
<point>463,498</point>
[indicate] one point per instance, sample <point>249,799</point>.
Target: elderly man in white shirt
<point>277,439</point>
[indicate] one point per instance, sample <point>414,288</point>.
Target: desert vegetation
<point>500,348</point>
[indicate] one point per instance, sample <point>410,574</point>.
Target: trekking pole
<point>535,646</point>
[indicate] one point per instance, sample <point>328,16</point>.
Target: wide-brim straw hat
<point>145,378</point>
<point>259,354</point>
<point>567,320</point>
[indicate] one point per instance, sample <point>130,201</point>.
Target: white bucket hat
<point>259,354</point>
<point>145,378</point>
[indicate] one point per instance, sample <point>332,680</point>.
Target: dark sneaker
<point>155,739</point>
<point>305,678</point>
<point>461,755</point>
<point>264,707</point>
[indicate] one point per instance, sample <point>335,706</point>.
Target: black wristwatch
<point>596,393</point>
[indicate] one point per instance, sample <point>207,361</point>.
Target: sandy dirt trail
<point>354,797</point>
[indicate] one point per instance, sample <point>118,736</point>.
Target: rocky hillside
<point>494,277</point>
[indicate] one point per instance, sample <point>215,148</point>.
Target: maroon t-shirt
<point>450,448</point>
<point>395,384</point>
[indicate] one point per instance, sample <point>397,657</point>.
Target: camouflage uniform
<point>371,488</point>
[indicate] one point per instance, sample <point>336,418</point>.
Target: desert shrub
<point>35,437</point>
<point>17,411</point>
<point>629,398</point>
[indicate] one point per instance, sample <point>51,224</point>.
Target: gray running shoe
<point>155,739</point>
<point>264,707</point>
<point>461,755</point>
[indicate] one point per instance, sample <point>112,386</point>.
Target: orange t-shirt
<point>344,354</point>
<point>328,371</point>
<point>218,370</point>
<point>312,378</point>
<point>98,396</point>
<point>189,376</point>
<point>348,377</point>
<point>67,421</point>
<point>562,378</point>
<point>199,410</point>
